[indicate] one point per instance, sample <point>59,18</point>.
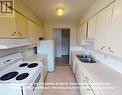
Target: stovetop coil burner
<point>8,76</point>
<point>32,65</point>
<point>23,65</point>
<point>22,76</point>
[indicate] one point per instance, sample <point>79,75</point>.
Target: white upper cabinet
<point>108,36</point>
<point>79,34</point>
<point>84,30</point>
<point>32,32</point>
<point>91,27</point>
<point>41,32</point>
<point>8,27</point>
<point>13,27</point>
<point>21,25</point>
<point>103,27</point>
<point>115,35</point>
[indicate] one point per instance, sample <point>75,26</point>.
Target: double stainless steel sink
<point>86,58</point>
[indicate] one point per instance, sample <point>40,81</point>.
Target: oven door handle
<point>36,81</point>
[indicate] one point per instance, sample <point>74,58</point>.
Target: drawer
<point>86,90</point>
<point>89,90</point>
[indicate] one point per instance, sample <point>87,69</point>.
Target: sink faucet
<point>85,53</point>
<point>91,54</point>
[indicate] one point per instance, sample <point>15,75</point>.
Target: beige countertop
<point>101,73</point>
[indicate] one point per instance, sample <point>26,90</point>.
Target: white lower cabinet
<point>88,90</point>
<point>85,80</point>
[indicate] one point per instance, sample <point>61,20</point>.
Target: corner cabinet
<point>13,27</point>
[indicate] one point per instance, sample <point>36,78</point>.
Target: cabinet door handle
<point>20,34</point>
<point>102,48</point>
<point>110,49</point>
<point>13,34</point>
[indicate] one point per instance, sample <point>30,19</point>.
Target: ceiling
<point>45,9</point>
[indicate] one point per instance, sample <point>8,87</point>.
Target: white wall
<point>49,26</point>
<point>58,42</point>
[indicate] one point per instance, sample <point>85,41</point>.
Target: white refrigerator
<point>47,47</point>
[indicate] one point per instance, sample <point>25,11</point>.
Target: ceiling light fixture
<point>59,11</point>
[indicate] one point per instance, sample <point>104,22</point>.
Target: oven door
<point>34,88</point>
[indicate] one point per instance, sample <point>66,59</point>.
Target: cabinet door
<point>36,33</point>
<point>84,30</point>
<point>115,35</point>
<point>41,32</point>
<point>77,72</point>
<point>32,32</point>
<point>91,27</point>
<point>7,27</point>
<point>21,25</point>
<point>88,90</point>
<point>103,25</point>
<point>79,34</point>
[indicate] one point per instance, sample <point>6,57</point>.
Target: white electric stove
<point>18,78</point>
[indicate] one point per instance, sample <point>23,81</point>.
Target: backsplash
<point>110,61</point>
<point>28,52</point>
<point>24,50</point>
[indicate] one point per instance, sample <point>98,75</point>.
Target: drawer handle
<point>12,35</point>
<point>20,34</point>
